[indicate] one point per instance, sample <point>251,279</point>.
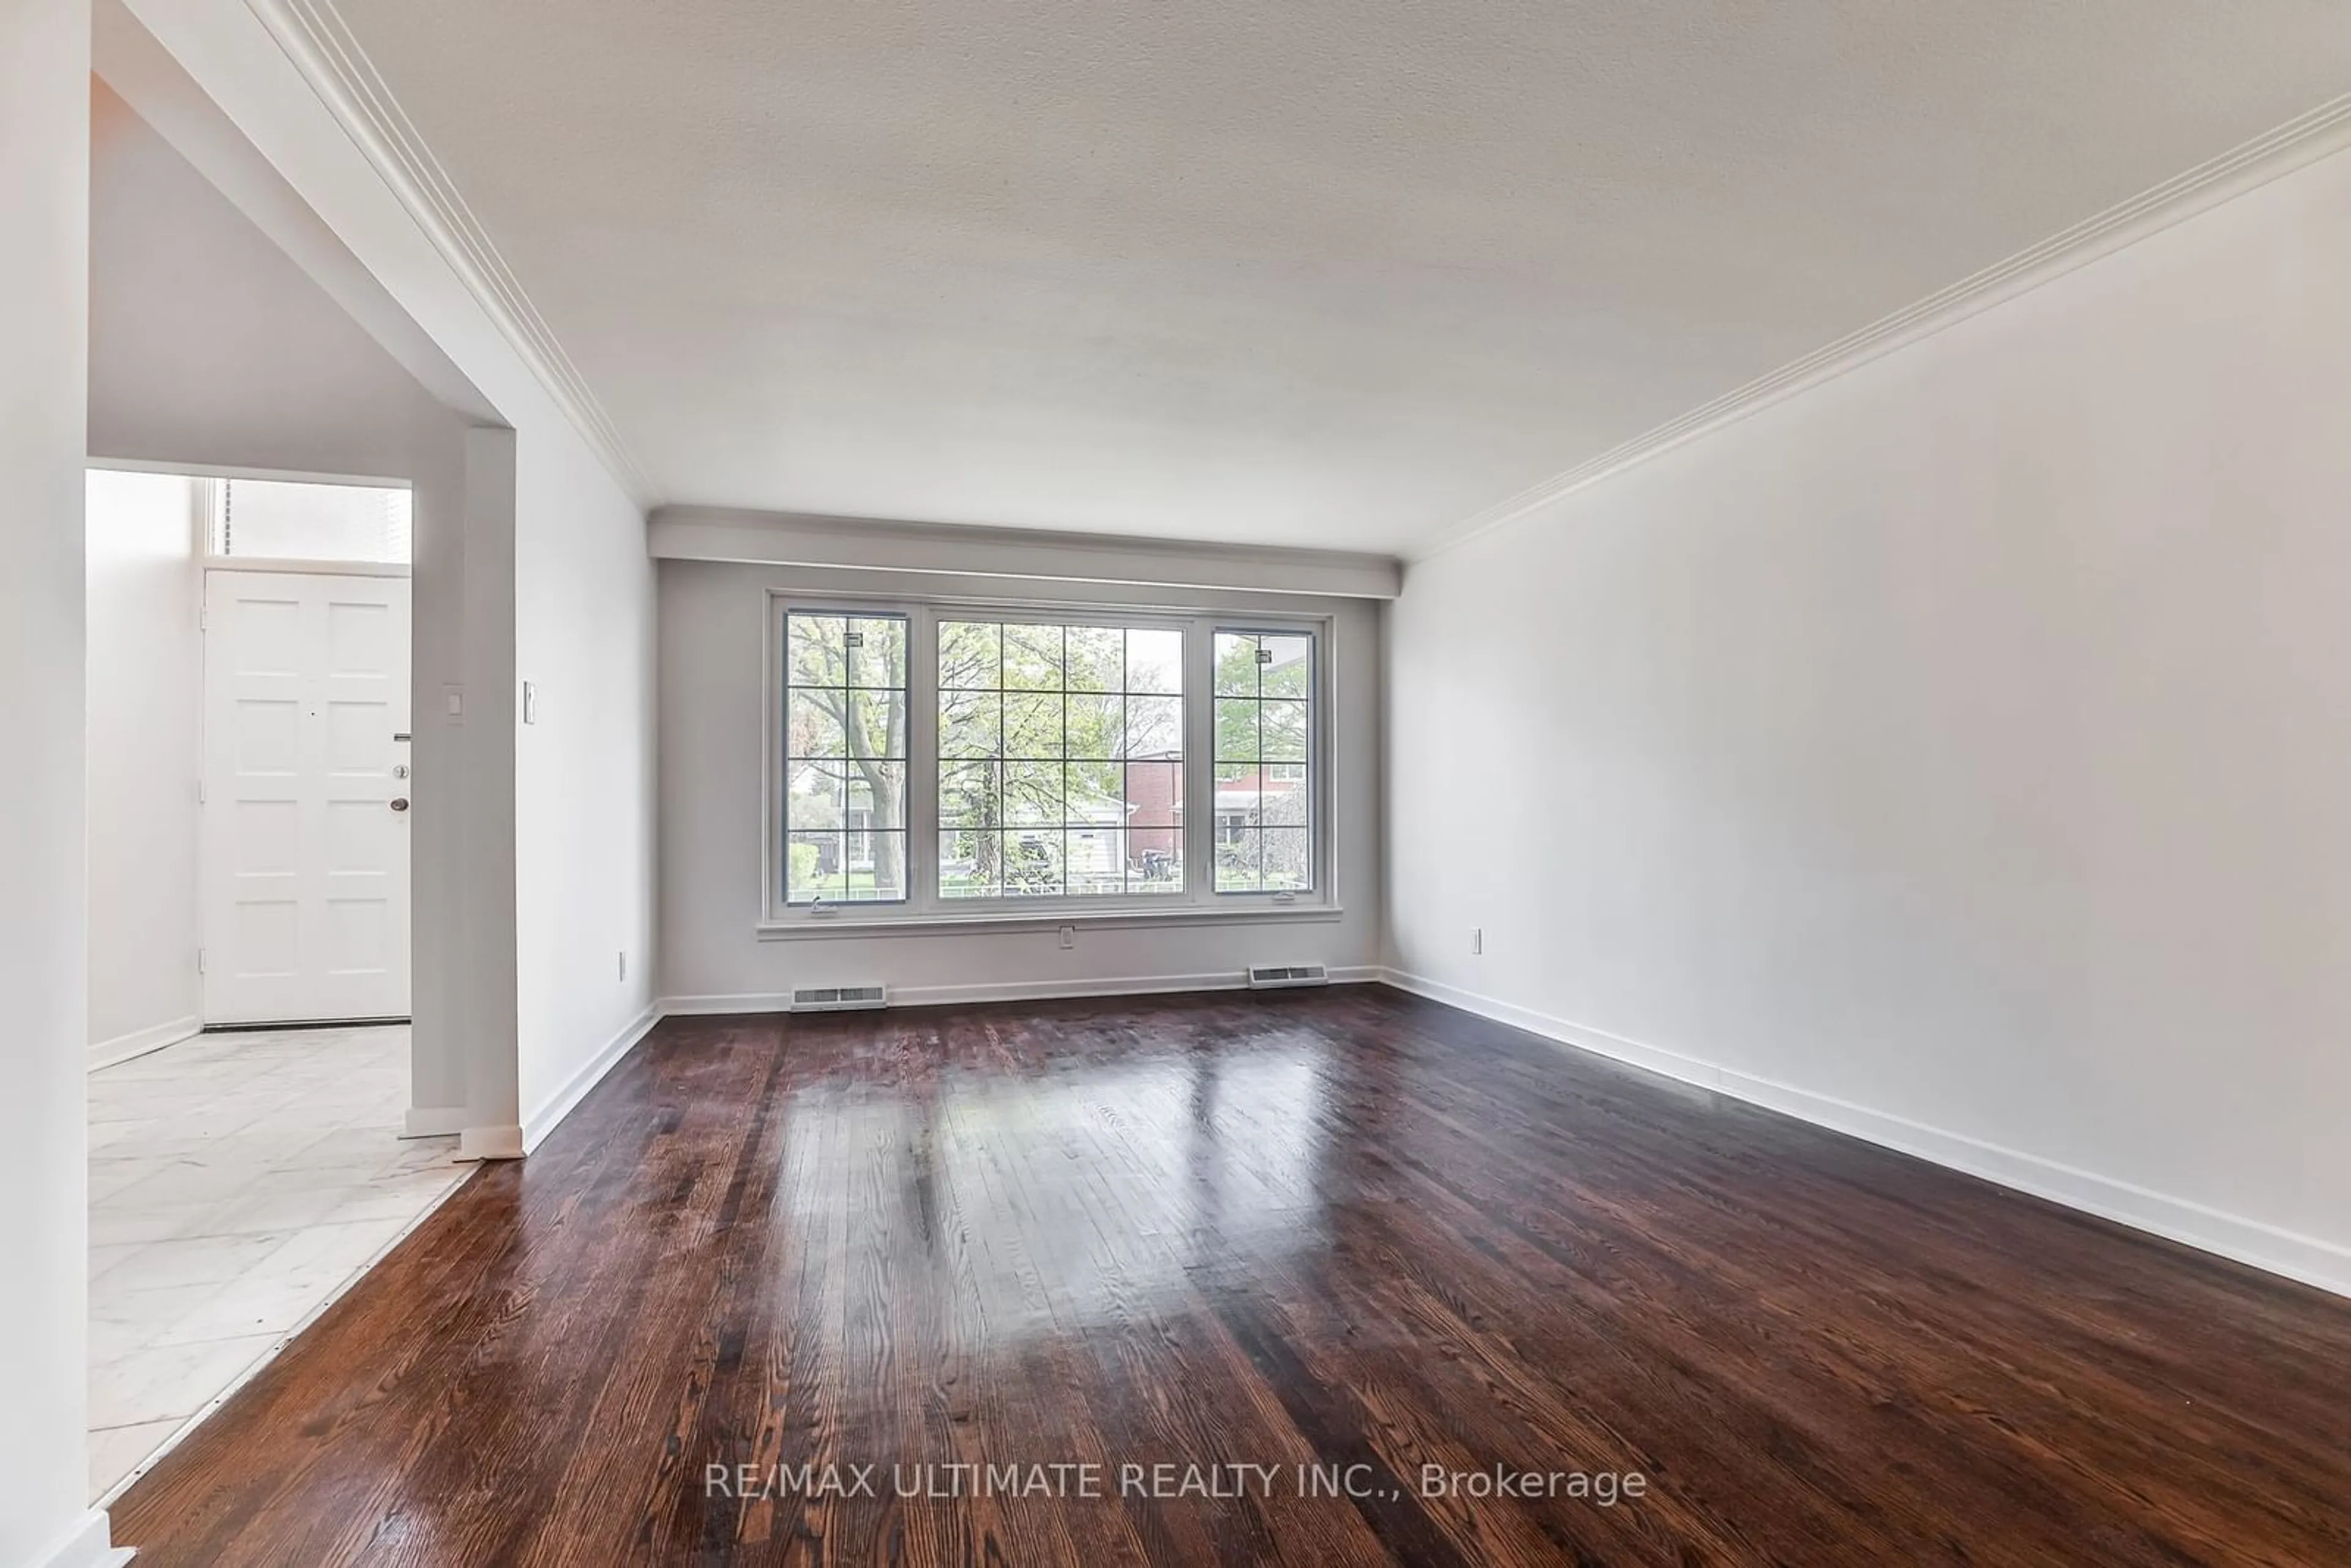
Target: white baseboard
<point>2307,1259</point>
<point>1003,991</point>
<point>542,1121</point>
<point>87,1543</point>
<point>140,1041</point>
<point>432,1122</point>
<point>490,1144</point>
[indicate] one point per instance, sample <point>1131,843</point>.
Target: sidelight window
<point>845,709</point>
<point>1264,729</point>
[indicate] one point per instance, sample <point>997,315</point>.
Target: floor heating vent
<point>836,999</point>
<point>1265,977</point>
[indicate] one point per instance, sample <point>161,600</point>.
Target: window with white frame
<point>844,754</point>
<point>964,760</point>
<point>1061,759</point>
<point>1264,782</point>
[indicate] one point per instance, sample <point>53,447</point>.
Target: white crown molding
<point>2296,143</point>
<point>328,56</point>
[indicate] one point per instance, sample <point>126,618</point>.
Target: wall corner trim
<point>490,1144</point>
<point>434,1122</point>
<point>87,1544</point>
<point>2246,167</point>
<point>328,56</point>
<point>2307,1259</point>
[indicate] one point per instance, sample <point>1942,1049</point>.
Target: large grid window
<point>1264,796</point>
<point>968,763</point>
<point>1061,765</point>
<point>846,706</point>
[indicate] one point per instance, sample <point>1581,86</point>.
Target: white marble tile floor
<point>239,1182</point>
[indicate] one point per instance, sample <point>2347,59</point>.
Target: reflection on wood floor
<point>1329,1258</point>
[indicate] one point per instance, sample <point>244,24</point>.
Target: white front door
<point>305,796</point>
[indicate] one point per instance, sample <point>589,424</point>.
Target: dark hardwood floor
<point>1345,1230</point>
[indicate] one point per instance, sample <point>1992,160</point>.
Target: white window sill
<point>1031,920</point>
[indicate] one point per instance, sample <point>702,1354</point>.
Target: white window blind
<point>288,520</point>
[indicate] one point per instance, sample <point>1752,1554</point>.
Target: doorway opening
<point>304,793</point>
<point>250,774</point>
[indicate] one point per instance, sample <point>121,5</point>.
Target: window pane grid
<point>1061,753</point>
<point>1264,785</point>
<point>845,758</point>
<point>1057,768</point>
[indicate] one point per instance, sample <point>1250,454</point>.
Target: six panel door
<point>306,894</point>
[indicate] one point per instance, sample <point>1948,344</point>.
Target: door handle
<point>399,802</point>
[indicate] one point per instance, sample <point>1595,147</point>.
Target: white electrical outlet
<point>1477,939</point>
<point>1068,936</point>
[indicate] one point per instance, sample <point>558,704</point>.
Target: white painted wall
<point>44,1142</point>
<point>146,662</point>
<point>1959,753</point>
<point>210,347</point>
<point>712,672</point>
<point>583,774</point>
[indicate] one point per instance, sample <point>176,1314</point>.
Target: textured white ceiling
<point>1325,272</point>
